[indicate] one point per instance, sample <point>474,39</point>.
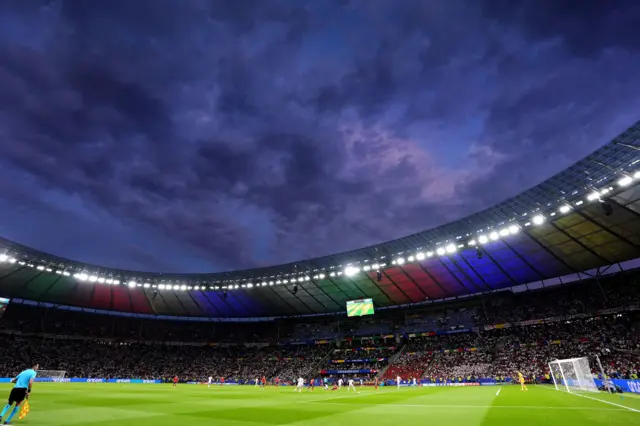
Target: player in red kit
<point>277,381</point>
<point>221,381</point>
<point>175,381</point>
<point>263,382</point>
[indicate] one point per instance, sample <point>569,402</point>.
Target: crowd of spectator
<point>445,342</point>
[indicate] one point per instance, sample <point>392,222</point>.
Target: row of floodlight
<point>538,219</point>
<point>442,249</point>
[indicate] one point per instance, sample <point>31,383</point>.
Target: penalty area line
<point>601,400</point>
<point>484,407</point>
<point>498,393</point>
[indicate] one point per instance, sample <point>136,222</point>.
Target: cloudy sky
<point>209,135</point>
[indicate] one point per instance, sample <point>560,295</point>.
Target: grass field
<point>145,405</point>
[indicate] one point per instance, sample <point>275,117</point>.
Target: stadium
<point>544,284</point>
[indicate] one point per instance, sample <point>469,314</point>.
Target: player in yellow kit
<point>523,387</point>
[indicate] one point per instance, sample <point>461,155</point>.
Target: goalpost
<point>51,374</point>
<point>574,374</point>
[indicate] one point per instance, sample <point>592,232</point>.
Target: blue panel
<point>221,305</point>
<point>514,266</point>
<point>247,303</point>
<point>466,276</point>
<point>485,267</point>
<point>207,306</point>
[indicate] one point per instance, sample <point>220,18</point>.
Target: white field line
<point>601,400</point>
<point>607,402</point>
<point>498,393</point>
<point>484,407</point>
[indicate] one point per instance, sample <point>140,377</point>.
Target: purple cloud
<point>203,136</point>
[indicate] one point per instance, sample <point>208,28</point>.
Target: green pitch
<point>359,309</point>
<point>194,405</point>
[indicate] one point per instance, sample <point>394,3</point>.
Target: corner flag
<point>24,410</point>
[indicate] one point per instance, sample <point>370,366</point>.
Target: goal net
<point>574,374</point>
<point>51,374</point>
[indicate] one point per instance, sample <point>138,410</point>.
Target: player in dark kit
<point>20,392</point>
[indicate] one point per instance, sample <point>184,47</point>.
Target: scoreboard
<point>358,308</point>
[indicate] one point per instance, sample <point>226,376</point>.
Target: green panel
<point>37,286</point>
<point>62,291</point>
<point>11,284</point>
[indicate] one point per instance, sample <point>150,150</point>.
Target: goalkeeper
<point>20,392</point>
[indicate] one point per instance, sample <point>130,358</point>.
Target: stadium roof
<point>586,217</point>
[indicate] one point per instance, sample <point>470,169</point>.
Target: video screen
<point>359,308</point>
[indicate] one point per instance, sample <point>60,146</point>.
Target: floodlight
<point>514,229</point>
<point>482,239</point>
<point>249,285</point>
<point>564,209</point>
<point>440,251</point>
<point>451,248</point>
<point>4,257</point>
<point>472,243</point>
<point>321,276</point>
<point>625,181</point>
<point>429,254</point>
<point>183,287</point>
<point>493,236</point>
<point>351,271</point>
<point>132,283</point>
<point>400,260</point>
<point>504,232</point>
<point>116,282</point>
<point>538,220</point>
<point>40,268</point>
<point>636,175</point>
<point>593,196</point>
<point>420,256</point>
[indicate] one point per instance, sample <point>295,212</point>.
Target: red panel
<point>447,281</point>
<point>406,285</point>
<point>140,302</point>
<point>390,289</point>
<point>424,281</point>
<point>121,299</point>
<point>101,298</point>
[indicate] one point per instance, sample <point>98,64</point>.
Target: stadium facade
<point>582,223</point>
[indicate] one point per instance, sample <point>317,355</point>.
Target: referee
<point>20,392</point>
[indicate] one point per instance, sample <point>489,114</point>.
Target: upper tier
<point>583,218</point>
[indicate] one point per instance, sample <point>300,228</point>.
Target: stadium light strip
<point>441,249</point>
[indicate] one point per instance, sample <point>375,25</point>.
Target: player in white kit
<point>257,382</point>
<point>398,380</point>
<point>414,383</point>
<point>351,386</point>
<point>339,383</point>
<point>300,385</point>
<point>210,381</point>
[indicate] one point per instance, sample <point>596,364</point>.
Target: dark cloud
<point>207,135</point>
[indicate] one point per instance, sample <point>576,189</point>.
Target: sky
<point>212,135</point>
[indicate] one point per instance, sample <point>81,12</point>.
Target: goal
<point>574,374</point>
<point>51,374</point>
